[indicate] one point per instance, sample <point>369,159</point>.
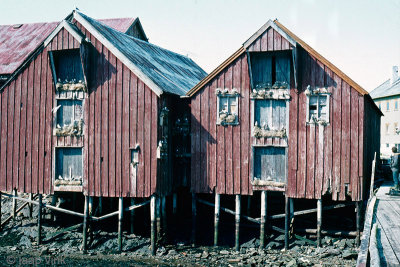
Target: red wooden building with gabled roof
<point>278,116</point>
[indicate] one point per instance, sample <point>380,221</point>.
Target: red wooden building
<point>278,116</point>
<point>92,109</point>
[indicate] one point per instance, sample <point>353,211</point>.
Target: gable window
<point>67,70</point>
<point>270,70</point>
<point>227,104</point>
<point>68,166</point>
<point>387,106</point>
<point>396,105</point>
<point>318,105</point>
<point>69,117</point>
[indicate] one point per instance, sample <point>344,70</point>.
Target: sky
<point>362,38</point>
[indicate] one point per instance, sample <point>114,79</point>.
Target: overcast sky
<point>362,38</point>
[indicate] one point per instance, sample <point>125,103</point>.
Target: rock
<point>13,248</point>
<point>253,243</point>
<point>224,252</point>
<point>161,251</point>
<point>236,260</point>
<point>25,241</point>
<point>349,243</point>
<point>341,243</point>
<point>327,240</point>
<point>273,245</point>
<point>172,252</point>
<point>349,254</point>
<point>292,263</point>
<point>329,253</point>
<point>197,255</point>
<point>205,255</point>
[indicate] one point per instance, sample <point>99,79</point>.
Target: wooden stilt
<point>120,217</point>
<point>30,205</point>
<point>194,215</point>
<point>263,218</point>
<point>158,218</point>
<point>100,205</point>
<point>0,210</point>
<point>287,215</point>
<point>73,201</point>
<point>152,220</point>
<point>39,232</point>
<point>174,204</point>
<point>319,221</point>
<point>90,211</point>
<point>237,221</point>
<point>358,221</point>
<point>132,216</point>
<point>85,224</point>
<point>216,217</point>
<point>291,209</point>
<point>164,216</point>
<point>14,203</point>
<point>248,211</point>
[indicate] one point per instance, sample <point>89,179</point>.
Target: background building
<point>387,98</point>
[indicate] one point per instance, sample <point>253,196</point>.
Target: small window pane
<point>233,105</point>
<point>69,111</point>
<point>282,67</point>
<point>69,163</point>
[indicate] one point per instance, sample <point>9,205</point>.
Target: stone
<point>330,252</point>
<point>197,255</point>
<point>349,254</point>
<point>205,255</point>
<point>13,248</point>
<point>292,263</point>
<point>25,241</point>
<point>224,252</point>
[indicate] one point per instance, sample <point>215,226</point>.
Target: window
<point>269,118</point>
<point>135,156</point>
<point>387,106</point>
<point>395,128</point>
<point>270,164</point>
<point>318,107</point>
<point>396,105</point>
<point>270,70</point>
<point>68,166</point>
<point>227,102</point>
<point>387,128</point>
<point>69,117</point>
<point>387,145</point>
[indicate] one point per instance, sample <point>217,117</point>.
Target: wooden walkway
<point>385,235</point>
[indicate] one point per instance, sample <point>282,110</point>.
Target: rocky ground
<point>18,247</point>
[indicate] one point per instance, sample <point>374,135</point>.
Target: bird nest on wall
<point>226,92</point>
<point>71,86</point>
<point>266,132</point>
<point>64,182</point>
<point>316,91</point>
<point>227,118</point>
<point>282,94</point>
<point>73,129</point>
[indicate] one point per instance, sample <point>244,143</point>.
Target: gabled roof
<point>386,89</point>
<point>294,40</point>
<point>161,69</point>
<point>18,41</point>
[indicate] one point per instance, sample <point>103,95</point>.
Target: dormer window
<point>67,70</point>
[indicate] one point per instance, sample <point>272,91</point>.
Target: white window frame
<point>327,121</point>
<point>236,99</point>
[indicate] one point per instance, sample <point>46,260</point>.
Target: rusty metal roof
<point>18,41</point>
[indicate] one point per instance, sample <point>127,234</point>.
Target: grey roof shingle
<point>172,72</point>
<point>386,89</point>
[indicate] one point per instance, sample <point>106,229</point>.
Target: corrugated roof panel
<point>17,42</point>
<point>172,72</point>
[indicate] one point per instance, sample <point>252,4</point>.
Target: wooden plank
<point>285,44</point>
<point>203,181</point>
<point>293,143</point>
<point>147,140</point>
<point>311,147</point>
<point>42,125</point>
<point>111,125</point>
<point>29,126</point>
<point>140,187</point>
<point>22,132</point>
<point>245,126</point>
<point>154,138</point>
<point>337,135</point>
<point>98,85</point>
<point>228,140</point>
<point>17,121</point>
<point>354,133</point>
<point>264,41</point>
<point>236,146</point>
<point>104,125</point>
<point>328,155</point>
<point>277,41</point>
<point>133,125</point>
<point>35,134</point>
<point>118,131</point>
<point>363,252</point>
<point>9,138</point>
<point>195,111</point>
<point>345,152</point>
<point>125,128</point>
<point>212,138</point>
<point>221,149</point>
<point>361,141</point>
<point>270,39</point>
<point>50,92</point>
<point>320,137</point>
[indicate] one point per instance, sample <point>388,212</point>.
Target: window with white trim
<point>318,106</point>
<point>227,104</point>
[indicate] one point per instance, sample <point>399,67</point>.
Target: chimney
<point>395,74</point>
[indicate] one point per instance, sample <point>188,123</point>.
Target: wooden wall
<point>120,111</point>
<point>330,159</point>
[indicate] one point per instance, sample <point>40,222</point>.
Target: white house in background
<point>387,98</point>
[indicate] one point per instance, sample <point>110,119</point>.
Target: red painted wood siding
<point>321,160</point>
<point>120,111</point>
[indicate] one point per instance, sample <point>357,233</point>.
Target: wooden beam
<point>237,221</point>
<point>120,217</point>
<point>287,218</point>
<point>164,216</point>
<point>216,217</point>
<point>327,232</point>
<point>132,215</point>
<point>135,206</point>
<point>371,189</point>
<point>39,232</point>
<point>85,224</point>
<point>373,248</point>
<point>174,204</point>
<point>358,221</point>
<point>1,224</point>
<point>152,225</point>
<point>194,217</point>
<point>14,204</point>
<point>263,218</point>
<point>319,221</point>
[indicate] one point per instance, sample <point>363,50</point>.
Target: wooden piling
<point>0,210</point>
<point>100,205</point>
<point>237,221</point>
<point>39,231</point>
<point>30,205</point>
<point>216,217</point>
<point>158,218</point>
<point>248,211</point>
<point>263,218</point>
<point>358,221</point>
<point>132,216</point>
<point>174,204</point>
<point>85,224</point>
<point>194,217</point>
<point>287,218</point>
<point>120,217</point>
<point>319,221</point>
<point>152,224</point>
<point>14,204</point>
<point>164,216</point>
